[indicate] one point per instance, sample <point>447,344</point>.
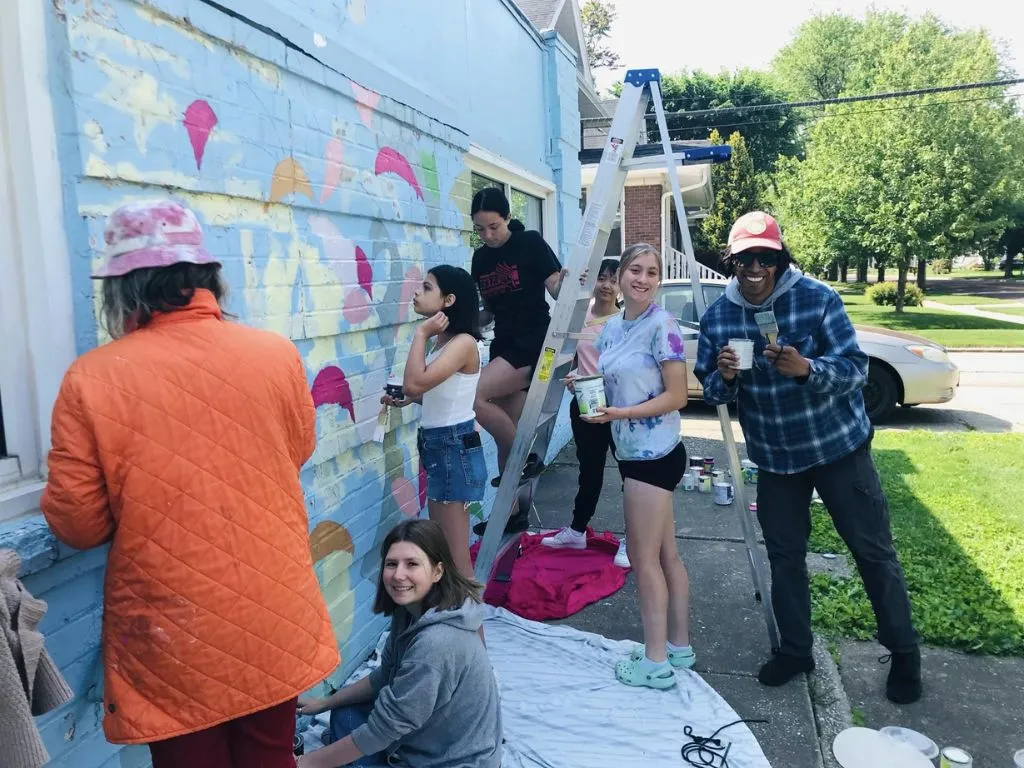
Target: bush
<point>942,266</point>
<point>884,294</point>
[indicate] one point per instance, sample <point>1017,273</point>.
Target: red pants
<point>260,740</point>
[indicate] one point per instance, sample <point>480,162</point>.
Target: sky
<point>674,35</point>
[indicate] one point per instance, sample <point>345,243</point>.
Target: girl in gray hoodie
<point>433,702</point>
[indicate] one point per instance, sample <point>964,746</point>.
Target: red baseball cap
<point>756,229</point>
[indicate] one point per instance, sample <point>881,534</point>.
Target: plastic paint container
<point>590,394</point>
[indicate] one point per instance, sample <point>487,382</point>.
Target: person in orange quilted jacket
<point>180,444</point>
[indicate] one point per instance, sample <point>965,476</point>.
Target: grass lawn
<point>958,521</point>
<point>1007,310</point>
<point>974,273</point>
<point>961,299</point>
<point>951,329</point>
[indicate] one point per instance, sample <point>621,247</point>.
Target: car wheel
<point>880,394</point>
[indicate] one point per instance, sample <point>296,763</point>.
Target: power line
<point>827,102</point>
<point>845,113</point>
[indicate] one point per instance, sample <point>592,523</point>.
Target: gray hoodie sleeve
<point>407,703</point>
<point>379,677</point>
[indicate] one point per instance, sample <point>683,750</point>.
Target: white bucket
<point>590,394</point>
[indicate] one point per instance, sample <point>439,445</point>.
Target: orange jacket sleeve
<point>75,502</point>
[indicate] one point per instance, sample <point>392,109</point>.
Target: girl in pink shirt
<point>592,440</point>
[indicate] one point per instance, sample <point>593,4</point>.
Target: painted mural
<point>326,203</point>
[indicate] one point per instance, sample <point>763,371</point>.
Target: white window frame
<point>36,315</point>
<point>494,166</point>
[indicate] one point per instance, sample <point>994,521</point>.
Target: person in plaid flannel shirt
<point>805,425</point>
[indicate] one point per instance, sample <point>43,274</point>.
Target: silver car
<point>904,369</point>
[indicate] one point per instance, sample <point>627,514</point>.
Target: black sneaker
<point>782,667</point>
<point>904,683</point>
<point>534,466</point>
<point>517,523</point>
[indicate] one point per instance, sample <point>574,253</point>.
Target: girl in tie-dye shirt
<point>644,369</point>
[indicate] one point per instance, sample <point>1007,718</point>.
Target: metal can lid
<point>957,755</point>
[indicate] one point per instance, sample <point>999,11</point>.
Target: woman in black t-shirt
<point>512,269</point>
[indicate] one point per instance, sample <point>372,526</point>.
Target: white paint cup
<point>1018,758</point>
<point>590,394</point>
<point>689,483</point>
<point>744,349</point>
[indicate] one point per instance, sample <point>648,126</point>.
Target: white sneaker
<point>566,538</point>
<point>621,558</point>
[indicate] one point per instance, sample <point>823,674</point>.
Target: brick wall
<point>642,215</point>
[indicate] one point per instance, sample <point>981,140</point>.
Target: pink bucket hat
<point>756,229</point>
<point>151,233</point>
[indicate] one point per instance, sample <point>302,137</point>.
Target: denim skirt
<point>453,459</point>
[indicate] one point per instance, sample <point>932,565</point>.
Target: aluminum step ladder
<point>641,87</point>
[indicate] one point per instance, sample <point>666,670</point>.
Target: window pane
<point>528,209</point>
<point>678,300</point>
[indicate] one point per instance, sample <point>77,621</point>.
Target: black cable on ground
<point>709,752</point>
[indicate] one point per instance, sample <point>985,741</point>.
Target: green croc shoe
<point>679,660</point>
<point>631,672</point>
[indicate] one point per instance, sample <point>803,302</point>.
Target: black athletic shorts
<point>665,472</point>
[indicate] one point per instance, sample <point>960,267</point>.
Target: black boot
<point>517,523</point>
<point>783,667</point>
<point>904,683</point>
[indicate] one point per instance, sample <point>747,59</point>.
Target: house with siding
<point>330,149</point>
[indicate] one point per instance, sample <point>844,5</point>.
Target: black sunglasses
<point>766,259</point>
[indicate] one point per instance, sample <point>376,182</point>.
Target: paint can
<point>709,463</point>
<point>752,506</point>
<point>723,494</point>
<point>744,349</point>
<point>705,483</point>
<point>689,482</point>
<point>590,394</point>
<point>1018,758</point>
<point>718,476</point>
<point>696,461</point>
<point>749,471</point>
<point>394,388</point>
<point>954,757</point>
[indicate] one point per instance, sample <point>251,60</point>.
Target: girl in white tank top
<point>444,381</point>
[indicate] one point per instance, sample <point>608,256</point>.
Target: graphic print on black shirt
<point>511,281</point>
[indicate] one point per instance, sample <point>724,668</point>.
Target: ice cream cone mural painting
<point>333,553</point>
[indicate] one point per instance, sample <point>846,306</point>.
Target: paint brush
<point>767,324</point>
<point>383,424</point>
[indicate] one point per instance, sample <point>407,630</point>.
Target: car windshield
<point>677,298</point>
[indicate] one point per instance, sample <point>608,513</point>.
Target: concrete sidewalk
<point>988,311</point>
<point>970,701</point>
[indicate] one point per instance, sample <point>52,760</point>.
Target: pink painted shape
<point>356,307</point>
<point>334,154</point>
<point>366,102</point>
<point>404,494</point>
<point>413,278</point>
<point>392,161</point>
<point>423,485</point>
<point>331,387</point>
<point>364,271</point>
<point>199,122</point>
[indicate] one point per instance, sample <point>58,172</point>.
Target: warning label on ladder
<point>612,152</point>
<point>588,232</point>
<point>547,362</point>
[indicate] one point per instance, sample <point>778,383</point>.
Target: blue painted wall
<point>323,145</point>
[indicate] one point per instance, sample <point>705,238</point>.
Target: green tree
<point>817,63</point>
<point>598,17</point>
<point>915,178</point>
<point>736,192</point>
<point>769,133</point>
